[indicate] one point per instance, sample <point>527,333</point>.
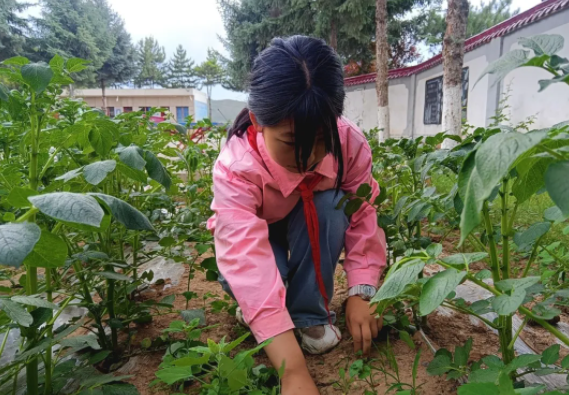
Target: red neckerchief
<point>306,189</point>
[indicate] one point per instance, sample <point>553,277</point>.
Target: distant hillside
<point>223,111</point>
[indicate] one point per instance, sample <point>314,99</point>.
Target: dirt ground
<point>447,332</point>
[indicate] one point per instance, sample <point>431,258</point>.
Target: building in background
<point>178,103</point>
<point>415,93</point>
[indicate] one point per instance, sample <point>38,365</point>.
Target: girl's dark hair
<point>299,79</point>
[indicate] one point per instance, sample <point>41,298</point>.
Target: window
<point>434,99</point>
<point>111,112</point>
<point>181,114</point>
<point>145,109</point>
<point>127,109</point>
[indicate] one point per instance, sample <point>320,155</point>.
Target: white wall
<point>477,97</point>
<point>360,107</point>
<point>550,106</point>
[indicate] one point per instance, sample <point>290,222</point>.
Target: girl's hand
<point>296,379</point>
<point>362,323</point>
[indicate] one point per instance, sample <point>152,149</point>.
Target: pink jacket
<point>252,191</point>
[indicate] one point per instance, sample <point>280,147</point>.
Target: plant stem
<point>49,328</point>
<point>552,152</point>
<point>32,272</point>
<point>520,329</point>
<point>505,332</point>
<point>532,256</point>
<point>111,308</point>
<point>495,266</point>
<point>458,309</point>
<point>4,341</point>
<point>48,163</point>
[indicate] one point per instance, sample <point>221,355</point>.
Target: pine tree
<point>210,73</point>
<point>120,67</point>
<point>12,29</point>
<point>150,63</point>
<point>180,71</point>
<point>73,28</point>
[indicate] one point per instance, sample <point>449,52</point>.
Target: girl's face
<point>279,140</point>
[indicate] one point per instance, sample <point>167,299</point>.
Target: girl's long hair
<point>299,79</point>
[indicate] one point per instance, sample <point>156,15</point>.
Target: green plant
<point>211,365</point>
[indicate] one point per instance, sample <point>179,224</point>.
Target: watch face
<point>369,291</point>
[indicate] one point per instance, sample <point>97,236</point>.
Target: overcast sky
<point>196,25</point>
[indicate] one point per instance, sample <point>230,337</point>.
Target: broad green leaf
<point>71,174</point>
<point>18,197</point>
<point>406,337</point>
<point>17,241</point>
<point>473,201</point>
<point>352,206</point>
<point>75,65</point>
<point>505,384</point>
<point>49,252</point>
<point>521,362</point>
<point>132,156</point>
<point>172,375</point>
<point>543,44</point>
<point>133,174</point>
<point>479,389</point>
<point>96,172</point>
<point>57,63</point>
<point>461,353</point>
<point>4,93</point>
<point>565,362</point>
<point>33,301</point>
<point>554,214</point>
<point>437,288</point>
<point>77,343</point>
<point>440,365</point>
<point>101,139</point>
<point>557,185</point>
<point>210,264</point>
<point>501,67</point>
<point>434,250</point>
<point>190,315</point>
<point>532,390</point>
<point>37,76</point>
<point>189,361</point>
<point>16,61</point>
<point>16,313</point>
<point>544,84</point>
<point>237,379</point>
<point>484,376</point>
<point>508,304</point>
<point>156,170</point>
<point>70,207</point>
<point>398,280</point>
<point>125,213</point>
<point>419,211</point>
<point>363,190</point>
<point>493,362</point>
<point>119,389</point>
<point>516,283</point>
<point>497,154</point>
<point>550,355</point>
<point>525,240</point>
<point>530,177</point>
<point>464,259</point>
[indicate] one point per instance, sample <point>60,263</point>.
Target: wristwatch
<point>366,292</point>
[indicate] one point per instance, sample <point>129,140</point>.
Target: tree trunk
<point>209,103</point>
<point>104,97</point>
<point>381,64</point>
<point>333,34</point>
<point>453,56</point>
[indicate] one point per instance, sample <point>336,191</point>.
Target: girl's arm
<point>284,348</point>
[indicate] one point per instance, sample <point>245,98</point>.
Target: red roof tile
<point>516,22</point>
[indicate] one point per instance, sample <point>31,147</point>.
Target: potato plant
<point>80,197</point>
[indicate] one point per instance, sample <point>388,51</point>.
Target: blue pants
<point>293,254</point>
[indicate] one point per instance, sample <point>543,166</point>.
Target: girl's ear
<point>253,118</point>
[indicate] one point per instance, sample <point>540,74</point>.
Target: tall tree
<point>432,28</point>
<point>76,28</point>
<point>180,71</point>
<point>210,73</point>
<point>120,67</point>
<point>348,25</point>
<point>453,57</point>
<point>382,66</point>
<point>150,63</point>
<point>12,28</point>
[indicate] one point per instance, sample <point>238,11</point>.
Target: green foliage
<point>180,71</point>
<point>209,74</point>
<point>12,28</point>
<point>150,57</point>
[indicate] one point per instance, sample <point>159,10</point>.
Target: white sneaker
<point>239,317</point>
<point>319,339</point>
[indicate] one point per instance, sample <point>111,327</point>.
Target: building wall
<point>550,106</point>
<point>407,95</point>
